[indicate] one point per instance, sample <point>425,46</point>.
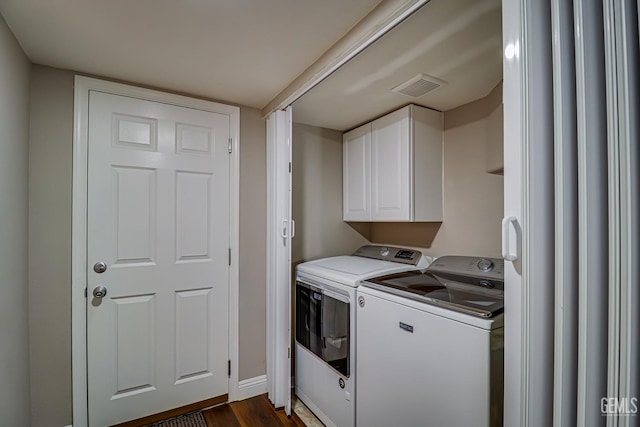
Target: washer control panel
<point>484,268</point>
<point>485,265</point>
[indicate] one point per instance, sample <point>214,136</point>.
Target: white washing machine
<point>430,346</point>
<point>325,354</point>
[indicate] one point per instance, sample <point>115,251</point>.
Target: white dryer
<point>430,346</point>
<point>325,326</point>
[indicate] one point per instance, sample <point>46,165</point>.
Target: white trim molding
<point>252,387</point>
<point>83,85</point>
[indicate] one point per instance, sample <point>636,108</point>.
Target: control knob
<point>485,265</point>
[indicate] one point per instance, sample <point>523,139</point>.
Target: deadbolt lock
<point>99,267</point>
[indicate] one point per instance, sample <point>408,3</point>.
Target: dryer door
<point>335,332</point>
<point>309,317</point>
<point>322,325</point>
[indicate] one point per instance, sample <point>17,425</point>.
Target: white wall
<point>317,196</point>
<point>14,145</point>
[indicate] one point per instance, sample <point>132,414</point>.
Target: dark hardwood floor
<point>253,412</point>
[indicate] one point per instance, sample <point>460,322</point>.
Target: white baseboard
<point>252,387</point>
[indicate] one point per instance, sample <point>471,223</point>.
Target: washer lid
<point>349,269</point>
<point>482,299</point>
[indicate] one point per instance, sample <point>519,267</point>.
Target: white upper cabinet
<point>357,174</point>
<point>393,167</point>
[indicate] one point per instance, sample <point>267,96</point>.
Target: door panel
<point>193,334</point>
<point>134,193</point>
<point>193,230</point>
<point>135,344</point>
<point>391,169</point>
<point>158,216</point>
<point>357,174</point>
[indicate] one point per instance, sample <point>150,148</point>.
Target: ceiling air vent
<point>419,85</point>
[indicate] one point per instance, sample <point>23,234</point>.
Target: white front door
<point>158,218</point>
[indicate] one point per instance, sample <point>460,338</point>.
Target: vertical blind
<point>595,56</point>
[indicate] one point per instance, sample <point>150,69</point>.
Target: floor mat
<point>195,419</point>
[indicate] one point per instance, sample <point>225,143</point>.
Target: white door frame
<point>79,227</point>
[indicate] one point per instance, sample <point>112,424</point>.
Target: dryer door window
<point>309,318</point>
<point>335,334</point>
<point>322,325</point>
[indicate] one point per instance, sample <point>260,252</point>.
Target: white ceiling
<point>239,51</point>
<point>458,41</point>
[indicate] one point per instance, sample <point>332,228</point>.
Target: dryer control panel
<point>394,254</point>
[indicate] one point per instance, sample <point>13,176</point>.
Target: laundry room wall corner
<point>50,145</point>
<point>253,244</point>
<point>14,151</point>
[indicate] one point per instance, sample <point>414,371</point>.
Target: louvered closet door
<point>597,289</point>
<point>158,217</point>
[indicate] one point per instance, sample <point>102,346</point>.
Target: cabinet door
<point>391,167</point>
<point>357,174</point>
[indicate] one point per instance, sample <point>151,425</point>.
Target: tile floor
<point>305,414</point>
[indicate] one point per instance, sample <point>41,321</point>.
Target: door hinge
<point>230,145</point>
<point>289,167</point>
<point>229,256</point>
<point>289,352</point>
<point>229,368</point>
<point>85,292</point>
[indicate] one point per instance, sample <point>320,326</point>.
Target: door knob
<point>99,291</point>
<point>99,267</point>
